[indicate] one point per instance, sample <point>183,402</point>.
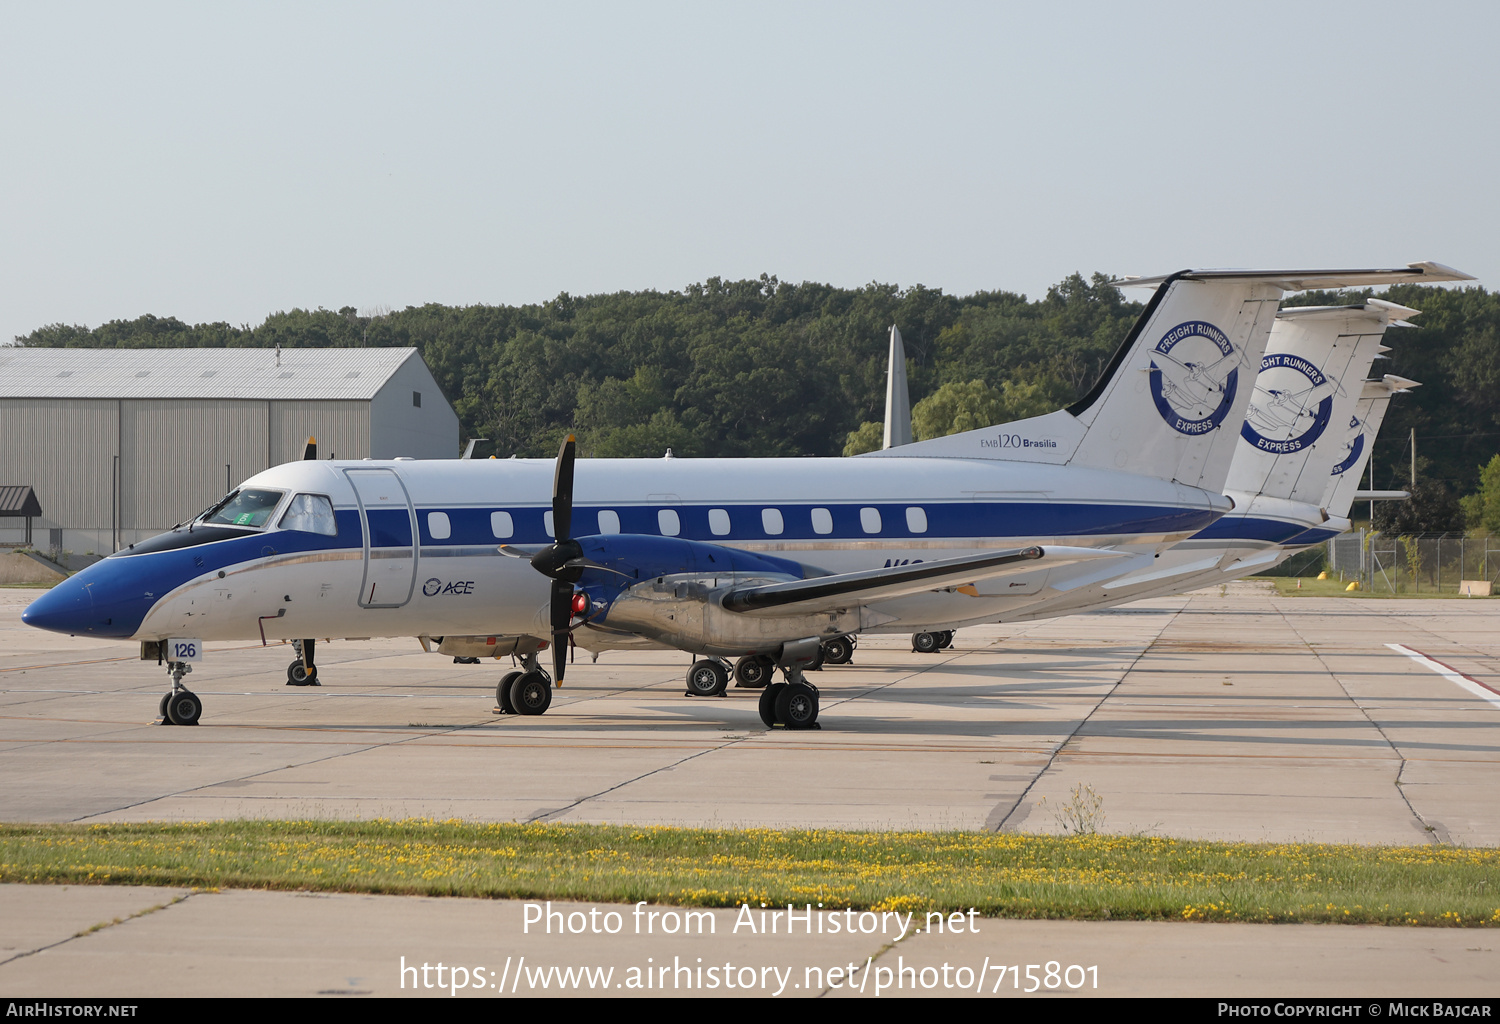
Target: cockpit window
<point>310,513</point>
<point>248,508</point>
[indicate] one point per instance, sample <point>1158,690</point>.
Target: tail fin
<point>897,397</point>
<point>1310,381</point>
<point>1172,400</point>
<point>1359,440</point>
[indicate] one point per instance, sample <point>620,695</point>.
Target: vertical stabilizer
<point>1310,380</point>
<point>1171,403</point>
<point>897,395</point>
<point>1359,441</point>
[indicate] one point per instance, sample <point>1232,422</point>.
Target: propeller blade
<point>562,491</point>
<point>562,618</point>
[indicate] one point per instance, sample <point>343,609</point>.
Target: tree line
<point>771,368</point>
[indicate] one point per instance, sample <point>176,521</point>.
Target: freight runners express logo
<point>1352,450</point>
<point>1193,377</point>
<point>1292,404</point>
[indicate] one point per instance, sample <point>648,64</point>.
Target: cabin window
<point>718,522</point>
<point>310,513</point>
<point>869,520</point>
<point>502,525</point>
<point>609,521</point>
<point>247,508</point>
<point>439,526</point>
<point>668,523</point>
<point>822,521</point>
<point>416,399</point>
<point>771,521</point>
<point>916,519</point>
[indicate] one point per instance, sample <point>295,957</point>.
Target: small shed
<point>18,501</point>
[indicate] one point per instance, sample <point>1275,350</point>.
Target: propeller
<point>560,560</point>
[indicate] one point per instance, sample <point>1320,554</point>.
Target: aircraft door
<point>389,522</point>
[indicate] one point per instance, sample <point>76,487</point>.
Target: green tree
<point>1482,508</point>
<point>868,438</point>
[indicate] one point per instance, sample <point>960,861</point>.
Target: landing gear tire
<point>298,674</point>
<point>768,698</point>
<point>839,650</point>
<point>502,692</point>
<point>945,639</point>
<point>161,709</point>
<point>184,707</point>
<point>926,643</point>
<point>797,706</point>
<point>753,671</point>
<point>707,679</point>
<point>531,693</point>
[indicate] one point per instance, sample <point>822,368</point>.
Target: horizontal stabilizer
<point>1425,272</point>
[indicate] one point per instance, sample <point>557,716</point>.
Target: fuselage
<point>411,548</point>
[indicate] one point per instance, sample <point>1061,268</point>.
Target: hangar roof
<point>247,373</point>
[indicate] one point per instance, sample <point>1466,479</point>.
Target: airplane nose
<point>63,609</point>
<point>99,601</point>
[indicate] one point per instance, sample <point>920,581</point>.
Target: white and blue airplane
<point>763,559</point>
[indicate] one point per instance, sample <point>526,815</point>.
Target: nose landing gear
<point>180,706</point>
<point>303,672</point>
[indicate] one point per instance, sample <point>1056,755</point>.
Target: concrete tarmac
<point>1226,714</point>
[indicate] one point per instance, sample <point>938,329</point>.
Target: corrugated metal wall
<point>64,448</point>
<point>173,452</point>
<point>342,429</point>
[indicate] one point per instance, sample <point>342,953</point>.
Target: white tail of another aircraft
<point>1172,401</point>
<point>1310,381</point>
<point>1364,424</point>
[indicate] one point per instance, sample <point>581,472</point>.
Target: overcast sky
<point>225,162</point>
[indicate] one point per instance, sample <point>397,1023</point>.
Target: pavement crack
<point>1061,746</point>
<point>102,925</point>
<point>557,811</point>
<point>1434,831</point>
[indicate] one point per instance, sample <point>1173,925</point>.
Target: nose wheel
<point>303,672</point>
<point>180,706</point>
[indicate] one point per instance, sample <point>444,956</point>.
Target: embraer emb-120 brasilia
<point>760,559</point>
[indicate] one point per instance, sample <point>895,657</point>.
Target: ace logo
<point>435,587</point>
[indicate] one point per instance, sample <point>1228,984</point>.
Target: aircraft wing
<point>846,589</point>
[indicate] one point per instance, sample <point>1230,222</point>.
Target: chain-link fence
<point>1424,564</point>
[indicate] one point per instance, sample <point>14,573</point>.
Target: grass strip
<point>1091,877</point>
<point>1286,586</point>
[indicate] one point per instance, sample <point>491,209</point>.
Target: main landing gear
<point>792,704</point>
<point>709,677</point>
<point>754,671</point>
<point>527,692</point>
<point>180,706</point>
<point>303,672</point>
<point>931,643</point>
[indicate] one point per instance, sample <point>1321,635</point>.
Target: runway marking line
<point>1448,672</point>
